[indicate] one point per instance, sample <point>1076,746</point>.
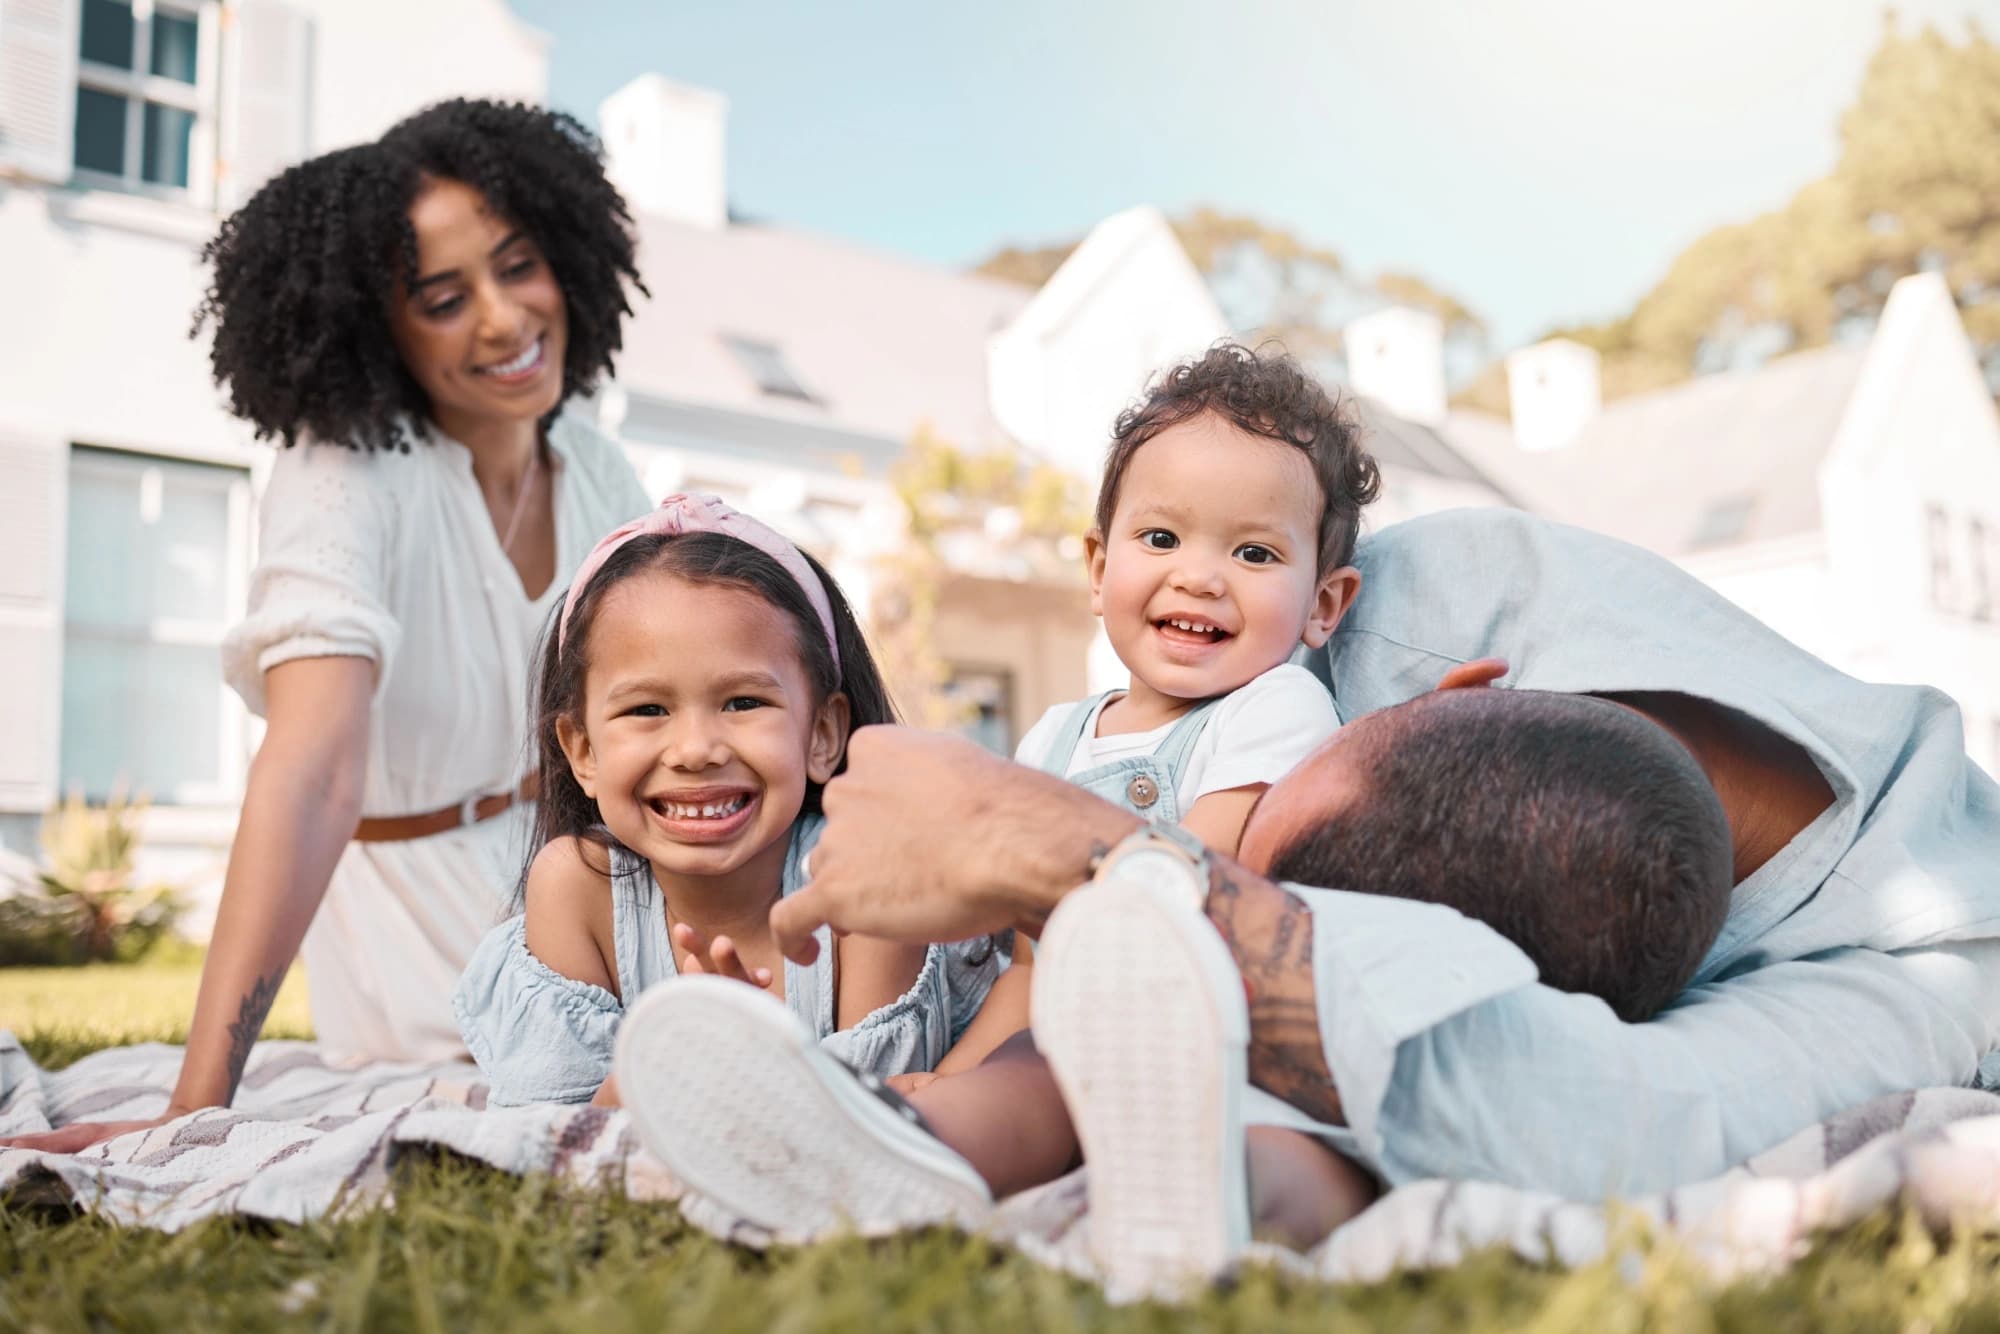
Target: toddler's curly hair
<point>1266,393</point>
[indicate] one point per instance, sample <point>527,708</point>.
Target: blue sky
<point>1541,159</point>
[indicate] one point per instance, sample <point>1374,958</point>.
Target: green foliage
<point>466,1247</point>
<point>1917,186</point>
<point>85,906</point>
<point>947,492</point>
<point>63,1013</point>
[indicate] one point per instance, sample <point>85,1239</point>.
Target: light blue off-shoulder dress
<point>542,1037</point>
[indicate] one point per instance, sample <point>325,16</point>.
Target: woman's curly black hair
<point>305,271</point>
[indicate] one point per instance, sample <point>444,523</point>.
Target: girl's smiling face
<point>700,730</point>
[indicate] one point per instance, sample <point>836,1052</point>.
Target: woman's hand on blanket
<point>80,1136</point>
<point>929,838</point>
<point>718,956</point>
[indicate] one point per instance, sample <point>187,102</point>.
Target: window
<point>767,366</point>
<point>1723,522</point>
<point>141,95</point>
<point>1937,533</point>
<point>157,564</point>
<point>986,697</point>
<point>1981,551</point>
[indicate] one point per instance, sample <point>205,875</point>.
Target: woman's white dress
<point>393,557</point>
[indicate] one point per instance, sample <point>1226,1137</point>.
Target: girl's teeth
<point>714,810</point>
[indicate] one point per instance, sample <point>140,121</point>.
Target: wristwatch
<point>1164,856</point>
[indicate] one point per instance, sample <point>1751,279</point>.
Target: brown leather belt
<point>403,828</point>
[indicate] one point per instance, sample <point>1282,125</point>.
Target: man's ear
<point>575,743</point>
<point>1335,594</point>
<point>1093,559</point>
<point>829,737</point>
<point>1470,675</point>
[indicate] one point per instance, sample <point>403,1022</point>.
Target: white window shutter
<point>266,80</point>
<point>38,45</point>
<point>34,479</point>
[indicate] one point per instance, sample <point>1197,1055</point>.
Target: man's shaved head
<point>1577,828</point>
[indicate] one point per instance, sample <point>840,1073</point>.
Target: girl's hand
<point>719,957</point>
<point>911,1082</point>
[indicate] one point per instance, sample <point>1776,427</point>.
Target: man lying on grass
<point>1580,831</point>
<point>1860,954</point>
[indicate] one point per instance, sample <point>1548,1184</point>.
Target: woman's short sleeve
<point>538,1036</point>
<point>326,532</point>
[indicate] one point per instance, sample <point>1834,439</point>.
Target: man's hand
<point>930,838</point>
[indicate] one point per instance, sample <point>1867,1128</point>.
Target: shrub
<point>82,905</point>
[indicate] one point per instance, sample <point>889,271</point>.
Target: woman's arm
<point>300,807</point>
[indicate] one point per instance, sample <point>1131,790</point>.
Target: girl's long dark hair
<point>564,811</point>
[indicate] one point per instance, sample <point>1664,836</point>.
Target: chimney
<point>1396,357</point>
<point>1554,390</point>
<point>664,149</point>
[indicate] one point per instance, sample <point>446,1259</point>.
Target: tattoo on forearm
<point>1269,930</point>
<point>249,1022</point>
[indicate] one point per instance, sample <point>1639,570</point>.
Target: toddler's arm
<point>1004,1013</point>
<point>873,973</point>
<point>1218,818</point>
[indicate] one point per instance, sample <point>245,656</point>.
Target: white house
<point>126,129</point>
<point>1849,496</point>
<point>784,370</point>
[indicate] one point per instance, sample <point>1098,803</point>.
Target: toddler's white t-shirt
<point>1254,735</point>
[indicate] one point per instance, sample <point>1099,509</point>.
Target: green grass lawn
<point>467,1248</point>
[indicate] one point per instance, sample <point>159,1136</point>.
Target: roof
<point>1094,261</point>
<point>1719,461</point>
<point>844,339</point>
<point>1397,442</point>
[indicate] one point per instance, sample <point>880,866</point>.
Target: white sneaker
<point>741,1104</point>
<point>1139,1008</point>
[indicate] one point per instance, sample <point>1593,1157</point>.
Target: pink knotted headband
<point>679,514</point>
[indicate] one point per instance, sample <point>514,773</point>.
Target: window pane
<point>167,131</point>
<point>174,38</point>
<point>146,715</point>
<point>100,131</point>
<point>107,32</point>
<point>148,539</point>
<point>149,557</point>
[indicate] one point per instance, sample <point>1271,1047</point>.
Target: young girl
<point>1229,509</point>
<point>695,694</point>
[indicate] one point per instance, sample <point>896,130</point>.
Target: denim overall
<point>1146,785</point>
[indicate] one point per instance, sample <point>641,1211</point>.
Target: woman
<point>408,317</point>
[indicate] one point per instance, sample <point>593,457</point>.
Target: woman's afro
<point>305,271</point>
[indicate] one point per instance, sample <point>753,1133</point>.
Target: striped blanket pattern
<point>306,1140</point>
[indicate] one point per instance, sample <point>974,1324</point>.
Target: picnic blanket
<point>306,1140</point>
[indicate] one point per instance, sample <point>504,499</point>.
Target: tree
<point>1916,187</point>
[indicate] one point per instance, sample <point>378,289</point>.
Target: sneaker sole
<point>771,1128</point>
<point>1139,1009</point>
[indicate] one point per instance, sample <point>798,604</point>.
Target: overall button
<point>1142,791</point>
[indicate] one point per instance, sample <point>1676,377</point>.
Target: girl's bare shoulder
<point>569,924</point>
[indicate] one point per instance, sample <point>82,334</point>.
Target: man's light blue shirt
<point>1863,959</point>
